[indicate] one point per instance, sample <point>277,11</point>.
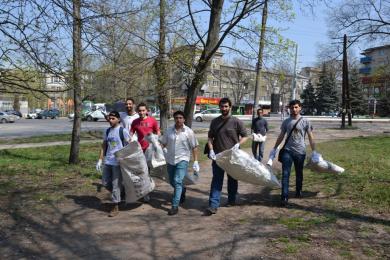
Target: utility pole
<point>345,89</point>
<point>294,83</point>
<point>345,68</point>
<point>259,64</point>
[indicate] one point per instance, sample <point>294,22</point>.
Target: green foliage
<point>358,104</point>
<point>309,99</point>
<point>327,100</point>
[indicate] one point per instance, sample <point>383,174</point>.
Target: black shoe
<point>183,195</point>
<point>173,211</point>
<point>230,204</point>
<point>284,202</point>
<point>298,194</point>
<point>210,211</point>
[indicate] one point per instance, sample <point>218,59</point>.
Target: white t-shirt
<point>179,144</point>
<point>127,120</point>
<point>114,143</point>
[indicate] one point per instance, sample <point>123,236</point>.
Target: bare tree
<point>361,19</point>
<point>238,78</point>
<point>216,33</point>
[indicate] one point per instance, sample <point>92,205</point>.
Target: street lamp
<point>372,101</point>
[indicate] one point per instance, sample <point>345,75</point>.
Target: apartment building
<point>375,72</point>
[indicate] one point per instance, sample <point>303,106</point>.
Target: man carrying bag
<point>294,149</point>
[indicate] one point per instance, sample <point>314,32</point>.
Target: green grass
<point>90,135</point>
<point>43,174</point>
<point>364,185</point>
<point>366,179</point>
<point>304,223</point>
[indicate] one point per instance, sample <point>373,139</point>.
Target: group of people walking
<point>179,143</point>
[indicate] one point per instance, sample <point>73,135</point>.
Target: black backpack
<point>122,137</point>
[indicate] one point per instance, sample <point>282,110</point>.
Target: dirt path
<point>257,228</point>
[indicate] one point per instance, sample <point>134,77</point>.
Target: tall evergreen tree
<point>309,99</point>
<point>358,103</point>
<point>327,100</point>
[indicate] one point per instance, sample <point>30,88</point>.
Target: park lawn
<point>366,180</point>
<point>90,135</point>
<point>42,174</point>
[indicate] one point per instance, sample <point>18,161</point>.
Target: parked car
<point>48,113</point>
<point>97,112</point>
<point>14,112</point>
<point>7,118</point>
<point>208,114</point>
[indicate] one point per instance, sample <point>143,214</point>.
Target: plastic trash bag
<point>318,164</point>
<point>135,174</point>
<point>243,167</point>
<point>258,137</point>
<point>154,153</point>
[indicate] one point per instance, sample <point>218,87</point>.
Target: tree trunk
<point>77,59</point>
<point>260,59</point>
<point>205,59</point>
<point>161,71</point>
<point>16,103</point>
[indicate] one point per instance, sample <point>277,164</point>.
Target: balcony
<point>365,60</point>
<point>366,70</point>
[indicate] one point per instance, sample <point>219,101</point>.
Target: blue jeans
<point>288,158</point>
<point>176,175</point>
<point>216,187</point>
<point>112,180</point>
<point>260,146</point>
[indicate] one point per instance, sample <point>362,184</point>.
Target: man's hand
<point>315,157</point>
<point>236,146</point>
<point>195,166</point>
<point>99,165</point>
<point>212,155</point>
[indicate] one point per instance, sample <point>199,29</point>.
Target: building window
<point>215,94</point>
<point>215,83</point>
<point>55,79</point>
<point>207,94</point>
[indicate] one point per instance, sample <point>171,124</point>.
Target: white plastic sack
<point>162,173</point>
<point>243,167</point>
<point>318,164</point>
<point>258,137</point>
<point>154,153</point>
<point>135,174</point>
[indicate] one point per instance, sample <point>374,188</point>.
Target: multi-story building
<point>57,92</point>
<point>375,71</point>
<point>238,81</point>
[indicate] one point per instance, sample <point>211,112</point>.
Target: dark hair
<point>225,100</point>
<point>294,102</point>
<point>131,99</point>
<point>115,114</point>
<point>179,112</point>
<point>142,104</point>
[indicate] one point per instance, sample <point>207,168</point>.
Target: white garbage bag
<point>135,174</point>
<point>243,167</point>
<point>162,173</point>
<point>154,153</point>
<point>318,164</point>
<point>258,137</point>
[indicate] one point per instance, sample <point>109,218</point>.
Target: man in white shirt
<point>180,141</point>
<point>130,115</point>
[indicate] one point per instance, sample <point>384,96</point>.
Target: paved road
<point>36,127</point>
